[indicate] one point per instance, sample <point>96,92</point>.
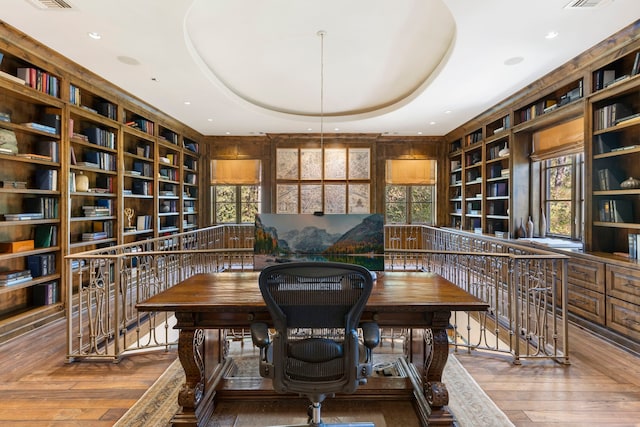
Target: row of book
<point>497,189</point>
<point>615,210</point>
<point>103,108</point>
<point>144,222</point>
<point>142,168</point>
<point>169,135</point>
<point>41,264</point>
<point>168,173</point>
<point>607,77</point>
<point>612,115</point>
<point>45,179</point>
<point>45,293</point>
<point>40,80</point>
<point>101,137</point>
<point>142,124</point>
<point>97,160</point>
<point>608,179</point>
<point>46,206</point>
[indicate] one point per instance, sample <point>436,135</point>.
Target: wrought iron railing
<point>106,284</point>
<point>525,287</point>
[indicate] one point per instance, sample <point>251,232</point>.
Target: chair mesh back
<point>314,306</point>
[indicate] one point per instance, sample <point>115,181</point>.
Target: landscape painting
<point>352,238</point>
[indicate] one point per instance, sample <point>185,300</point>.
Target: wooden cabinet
<point>585,289</point>
<point>623,300</point>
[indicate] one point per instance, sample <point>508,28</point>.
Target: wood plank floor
<point>601,387</point>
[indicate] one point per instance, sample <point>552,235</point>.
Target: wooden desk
<point>207,304</point>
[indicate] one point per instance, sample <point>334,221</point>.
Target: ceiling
<point>247,67</point>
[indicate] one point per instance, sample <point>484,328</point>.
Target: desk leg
<point>190,343</point>
<point>436,355</point>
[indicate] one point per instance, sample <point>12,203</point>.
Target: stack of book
<point>96,211</point>
<point>98,235</point>
<point>13,277</point>
<point>23,216</point>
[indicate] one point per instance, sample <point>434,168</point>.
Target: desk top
<point>239,292</point>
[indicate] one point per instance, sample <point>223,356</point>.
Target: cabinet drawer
<point>586,303</point>
<point>624,317</point>
<point>585,273</point>
<point>623,283</point>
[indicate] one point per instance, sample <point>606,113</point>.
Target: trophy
<point>128,212</point>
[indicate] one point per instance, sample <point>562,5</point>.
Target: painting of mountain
<point>355,238</point>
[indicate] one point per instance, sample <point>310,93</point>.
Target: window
<point>236,204</point>
<point>410,193</point>
<point>563,195</point>
<point>235,191</point>
<point>410,204</point>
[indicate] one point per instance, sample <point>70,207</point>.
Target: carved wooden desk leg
<point>434,389</point>
<point>190,353</point>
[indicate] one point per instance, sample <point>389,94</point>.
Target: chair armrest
<point>260,335</point>
<point>370,334</point>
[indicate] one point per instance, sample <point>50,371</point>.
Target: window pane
<point>396,204</point>
<point>249,203</point>
<point>422,204</point>
<point>225,207</point>
<point>396,193</point>
<point>225,193</point>
<point>560,182</point>
<point>560,218</point>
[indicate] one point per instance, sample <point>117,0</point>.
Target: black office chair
<point>316,351</point>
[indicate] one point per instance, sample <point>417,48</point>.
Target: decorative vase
<point>521,232</point>
<point>543,224</point>
<point>630,183</point>
<point>530,228</point>
<point>82,183</point>
<point>504,151</point>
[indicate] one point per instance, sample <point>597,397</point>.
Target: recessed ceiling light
<point>448,112</point>
<point>209,120</point>
<point>187,102</point>
<point>309,129</point>
<point>94,35</point>
<point>514,60</point>
<point>419,133</point>
<point>551,35</point>
<point>227,133</point>
<point>432,123</point>
<point>336,129</point>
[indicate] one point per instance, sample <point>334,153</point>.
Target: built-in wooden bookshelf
<point>190,183</point>
<point>30,195</point>
<point>615,148</point>
<point>72,148</point>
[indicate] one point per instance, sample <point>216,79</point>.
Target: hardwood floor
<point>601,387</point>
